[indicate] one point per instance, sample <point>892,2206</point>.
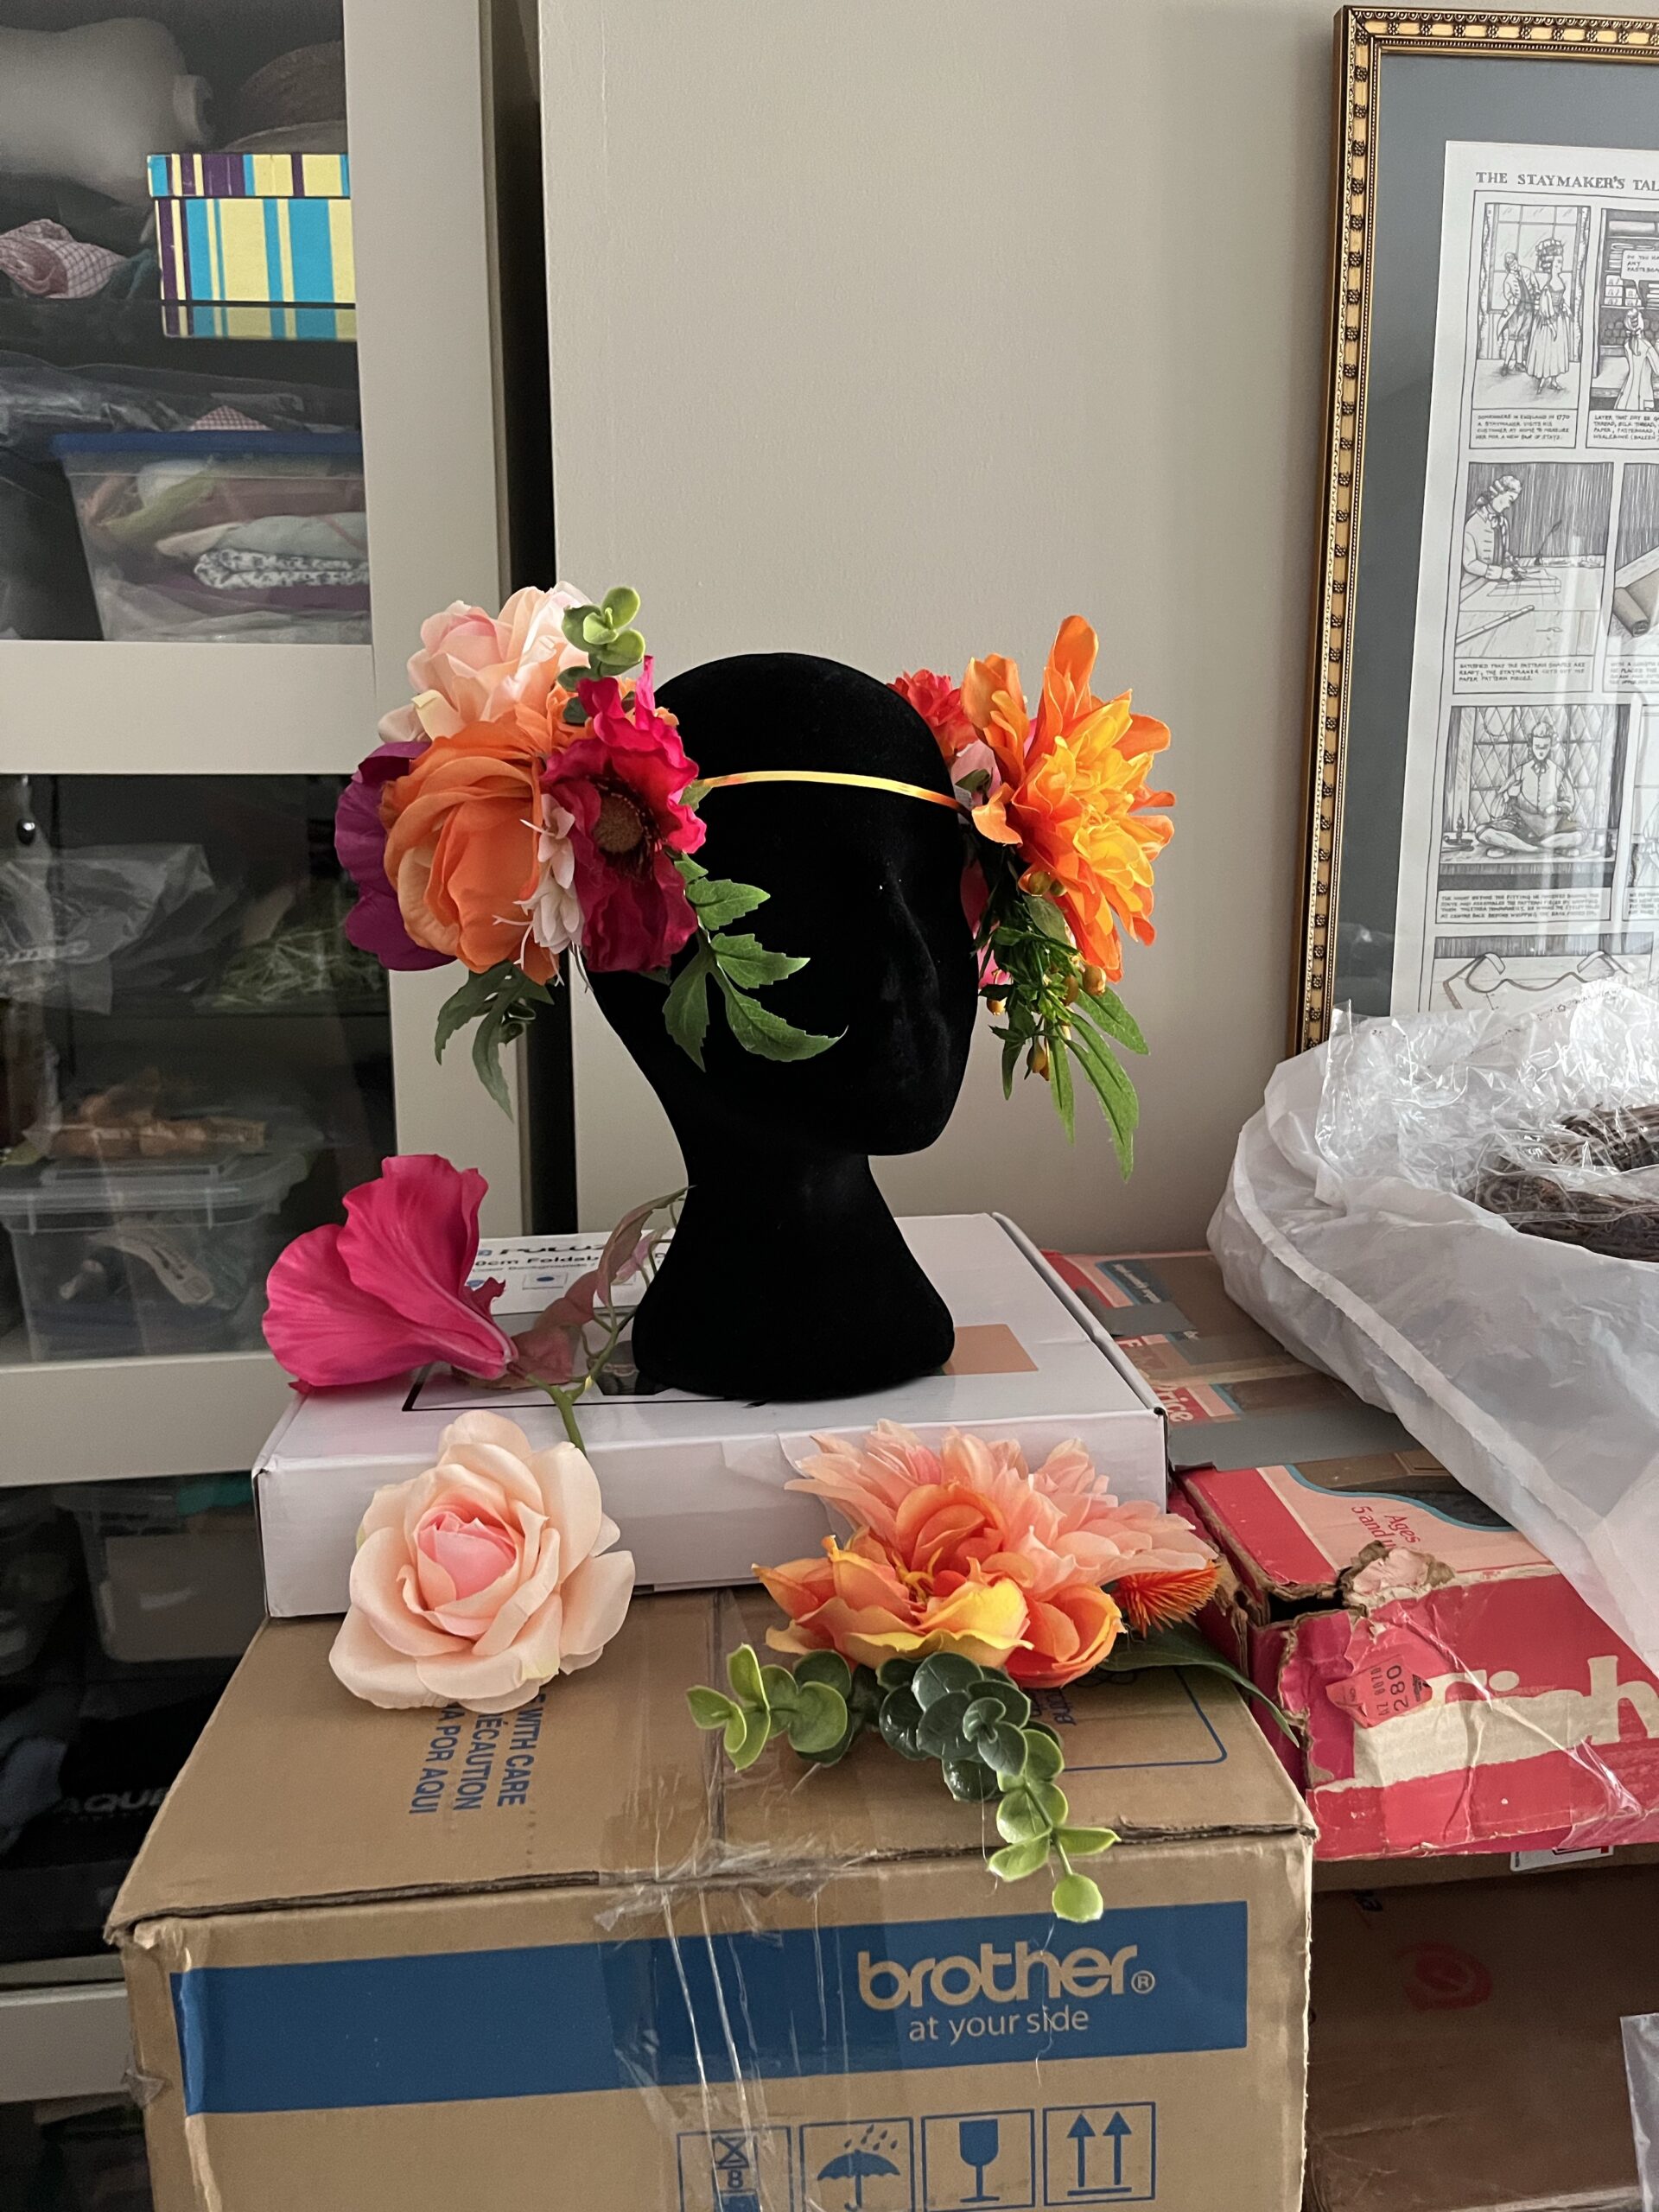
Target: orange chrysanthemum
<point>1073,793</point>
<point>967,1549</point>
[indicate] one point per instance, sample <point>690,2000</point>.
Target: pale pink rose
<point>481,1579</point>
<point>475,667</point>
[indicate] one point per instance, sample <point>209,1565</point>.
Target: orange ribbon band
<point>695,791</point>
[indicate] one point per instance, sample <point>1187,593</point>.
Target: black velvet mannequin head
<point>787,1276</point>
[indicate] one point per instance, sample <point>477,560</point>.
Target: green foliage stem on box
<point>974,1720</point>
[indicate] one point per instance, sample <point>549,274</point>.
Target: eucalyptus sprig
<point>974,1720</point>
<point>606,633</point>
<point>1055,1005</point>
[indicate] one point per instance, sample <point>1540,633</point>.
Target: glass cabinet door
<point>195,1063</point>
<point>180,455</point>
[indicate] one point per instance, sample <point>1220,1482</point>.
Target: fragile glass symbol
<point>979,2141</point>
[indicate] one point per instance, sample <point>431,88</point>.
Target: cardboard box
<point>380,1963</point>
<point>1234,1396</point>
<point>698,1486</point>
<point>250,176</point>
<point>291,250</point>
<point>1452,1690</point>
<point>1466,2047</point>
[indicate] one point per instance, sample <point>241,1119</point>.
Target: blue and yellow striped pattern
<point>277,252</point>
<point>211,318</point>
<point>250,176</point>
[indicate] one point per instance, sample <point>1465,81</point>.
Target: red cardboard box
<point>1450,1690</point>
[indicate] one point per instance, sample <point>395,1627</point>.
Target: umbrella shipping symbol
<point>861,2165</point>
<point>1100,2154</point>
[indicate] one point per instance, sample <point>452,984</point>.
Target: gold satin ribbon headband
<point>695,791</point>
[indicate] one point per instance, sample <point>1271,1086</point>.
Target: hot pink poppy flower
<point>622,786</point>
<point>387,1292</point>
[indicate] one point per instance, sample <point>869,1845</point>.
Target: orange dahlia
<point>1073,793</point>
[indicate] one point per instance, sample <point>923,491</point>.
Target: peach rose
<point>476,667</point>
<point>482,1578</point>
<point>463,847</point>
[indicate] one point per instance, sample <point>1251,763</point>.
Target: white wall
<point>896,330</point>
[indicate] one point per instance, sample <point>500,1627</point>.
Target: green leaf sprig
<point>504,1002</point>
<point>737,965</point>
<point>1182,1645</point>
<point>974,1720</point>
<point>1056,1007</point>
<point>606,633</point>
<point>767,1701</point>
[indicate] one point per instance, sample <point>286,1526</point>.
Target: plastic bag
<point>1641,2034</point>
<point>66,918</point>
<point>1528,1366</point>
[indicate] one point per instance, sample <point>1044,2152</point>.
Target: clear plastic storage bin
<point>118,1259</point>
<point>36,1575</point>
<point>173,1567</point>
<point>207,535</point>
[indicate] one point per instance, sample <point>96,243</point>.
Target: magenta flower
<point>387,1292</point>
<point>374,924</point>
<point>622,786</point>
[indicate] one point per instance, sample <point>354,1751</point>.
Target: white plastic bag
<point>1529,1367</point>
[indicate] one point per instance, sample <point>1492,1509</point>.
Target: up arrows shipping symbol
<point>1082,2134</point>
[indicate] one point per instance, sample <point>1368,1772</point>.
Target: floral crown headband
<point>533,802</point>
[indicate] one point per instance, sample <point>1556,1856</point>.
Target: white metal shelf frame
<point>417,79</point>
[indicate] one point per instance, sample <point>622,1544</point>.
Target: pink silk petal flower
<point>471,1553</point>
<point>370,1670</point>
<point>595,1602</point>
<point>409,1240</point>
<point>324,1330</point>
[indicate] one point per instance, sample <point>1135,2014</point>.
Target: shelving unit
<point>423,80</point>
<point>429,387</point>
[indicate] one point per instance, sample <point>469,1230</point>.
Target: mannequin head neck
<point>787,1276</point>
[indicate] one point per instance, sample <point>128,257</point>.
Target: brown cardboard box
<point>385,1961</point>
<point>1466,2051</point>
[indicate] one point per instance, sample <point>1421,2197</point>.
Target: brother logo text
<point>1004,1977</point>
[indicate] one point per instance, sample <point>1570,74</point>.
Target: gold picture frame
<point>1367,41</point>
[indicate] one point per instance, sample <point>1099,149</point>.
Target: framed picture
<point>1483,821</point>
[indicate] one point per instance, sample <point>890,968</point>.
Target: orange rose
<point>462,846</point>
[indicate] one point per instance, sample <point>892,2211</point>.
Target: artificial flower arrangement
<point>533,805</point>
<point>481,1578</point>
<point>971,1584</point>
<point>1062,846</point>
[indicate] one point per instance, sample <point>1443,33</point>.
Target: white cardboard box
<point>696,1485</point>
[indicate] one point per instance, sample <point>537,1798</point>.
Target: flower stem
<point>566,1402</point>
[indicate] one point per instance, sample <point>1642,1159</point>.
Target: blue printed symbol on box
<point>1100,2154</point>
<point>859,2165</point>
<point>736,2170</point>
<point>979,2158</point>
